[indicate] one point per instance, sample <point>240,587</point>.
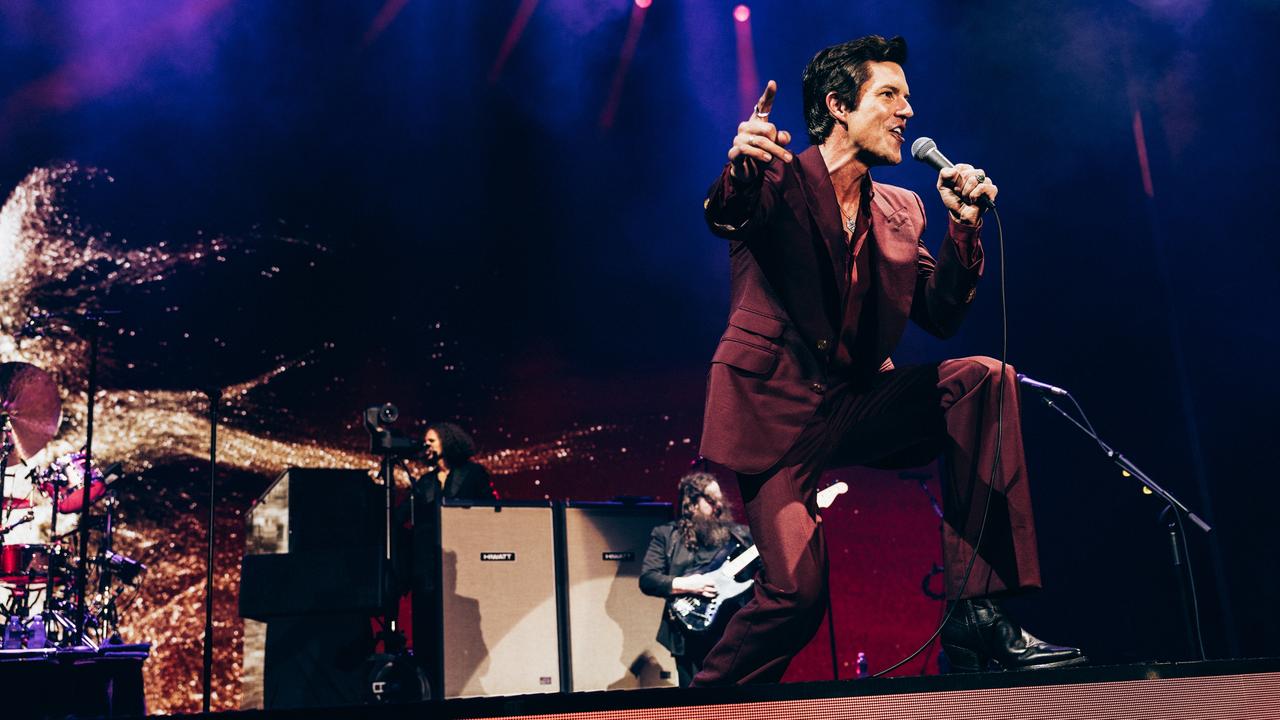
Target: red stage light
<point>644,4</point>
<point>742,13</point>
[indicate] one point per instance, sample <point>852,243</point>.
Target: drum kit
<point>44,599</point>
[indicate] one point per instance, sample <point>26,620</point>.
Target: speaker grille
<point>498,598</point>
<point>612,625</point>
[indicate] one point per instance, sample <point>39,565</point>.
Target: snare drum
<point>27,564</point>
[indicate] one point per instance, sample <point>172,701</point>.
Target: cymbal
<point>29,396</point>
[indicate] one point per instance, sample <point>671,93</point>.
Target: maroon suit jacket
<point>790,264</point>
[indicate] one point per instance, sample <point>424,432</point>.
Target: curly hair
<point>693,487</point>
<point>456,446</point>
<point>843,69</point>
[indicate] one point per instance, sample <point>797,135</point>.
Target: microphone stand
<point>92,326</point>
<point>206,669</point>
<point>6,448</point>
<point>1175,508</point>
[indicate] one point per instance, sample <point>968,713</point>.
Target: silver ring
<point>981,178</point>
<point>762,116</point>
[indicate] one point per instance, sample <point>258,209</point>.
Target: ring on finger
<point>981,178</point>
<point>762,116</point>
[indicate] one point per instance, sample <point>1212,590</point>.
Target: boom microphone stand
<point>1175,507</point>
<point>92,325</point>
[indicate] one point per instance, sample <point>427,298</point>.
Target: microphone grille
<point>921,147</point>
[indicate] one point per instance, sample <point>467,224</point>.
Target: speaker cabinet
<point>498,615</point>
<point>612,625</point>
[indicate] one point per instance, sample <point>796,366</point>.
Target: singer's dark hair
<point>843,69</point>
<point>456,446</point>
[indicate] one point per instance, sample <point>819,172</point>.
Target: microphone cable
<point>995,468</point>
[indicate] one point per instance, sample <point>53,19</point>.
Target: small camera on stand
<point>385,440</point>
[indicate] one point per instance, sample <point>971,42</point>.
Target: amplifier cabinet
<point>611,626</point>
<point>498,613</point>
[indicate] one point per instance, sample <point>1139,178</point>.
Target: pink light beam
<point>1140,140</point>
<point>748,78</point>
<point>518,23</point>
<point>384,18</point>
<point>624,63</point>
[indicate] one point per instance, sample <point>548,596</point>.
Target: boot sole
<point>1073,662</point>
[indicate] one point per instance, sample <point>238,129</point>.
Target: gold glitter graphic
<point>51,261</point>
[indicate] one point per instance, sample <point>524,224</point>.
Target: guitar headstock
<point>828,495</point>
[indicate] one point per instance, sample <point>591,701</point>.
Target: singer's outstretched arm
<point>742,197</point>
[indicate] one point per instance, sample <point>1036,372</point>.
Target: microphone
<point>1045,387</point>
<point>926,151</point>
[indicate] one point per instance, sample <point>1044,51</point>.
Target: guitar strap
<point>671,545</point>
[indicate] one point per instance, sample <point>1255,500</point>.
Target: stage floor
<point>1217,689</point>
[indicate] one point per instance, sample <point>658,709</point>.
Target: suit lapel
<point>896,245</point>
<point>820,196</point>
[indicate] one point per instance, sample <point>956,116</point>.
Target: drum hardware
<point>125,569</point>
<point>90,321</point>
<point>26,569</point>
<point>17,523</point>
<point>30,414</point>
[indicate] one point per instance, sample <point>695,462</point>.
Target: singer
<point>827,267</point>
<point>454,474</point>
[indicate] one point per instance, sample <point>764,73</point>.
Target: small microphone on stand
<point>1043,387</point>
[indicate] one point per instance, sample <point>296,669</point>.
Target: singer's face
<point>433,442</point>
<point>877,127</point>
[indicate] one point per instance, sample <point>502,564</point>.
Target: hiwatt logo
<point>619,555</point>
<point>497,557</point>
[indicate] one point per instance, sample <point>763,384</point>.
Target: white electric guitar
<point>697,613</point>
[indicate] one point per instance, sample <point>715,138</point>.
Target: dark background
<point>485,250</point>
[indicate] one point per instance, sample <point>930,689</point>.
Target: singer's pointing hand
<point>758,140</point>
<point>960,188</point>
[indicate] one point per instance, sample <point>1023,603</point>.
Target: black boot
<point>979,632</point>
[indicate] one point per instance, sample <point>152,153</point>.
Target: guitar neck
<point>825,498</point>
<point>735,566</point>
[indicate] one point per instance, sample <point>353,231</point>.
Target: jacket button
<point>823,344</point>
<point>818,388</point>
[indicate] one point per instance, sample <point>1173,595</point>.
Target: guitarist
<point>676,549</point>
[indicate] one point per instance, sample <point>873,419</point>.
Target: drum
<point>27,564</point>
<point>66,475</point>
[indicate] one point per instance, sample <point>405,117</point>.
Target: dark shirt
<point>668,558</point>
<point>858,315</point>
<point>468,481</point>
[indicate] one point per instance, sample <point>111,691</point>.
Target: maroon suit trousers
<point>907,417</point>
